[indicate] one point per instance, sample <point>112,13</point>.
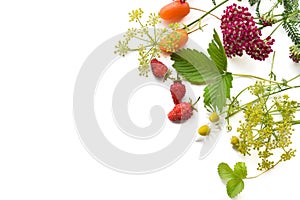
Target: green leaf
<point>292,30</point>
<point>234,187</point>
<point>253,2</point>
<point>217,53</point>
<point>217,92</point>
<point>194,66</point>
<point>240,170</point>
<point>225,172</point>
<point>290,6</point>
<point>291,20</point>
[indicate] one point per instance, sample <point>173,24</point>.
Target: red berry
<point>158,68</point>
<point>177,91</point>
<point>181,111</point>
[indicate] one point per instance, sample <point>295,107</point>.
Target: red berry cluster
<point>240,33</point>
<point>182,110</point>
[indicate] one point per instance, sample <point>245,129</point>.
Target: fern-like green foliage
<point>290,5</point>
<point>291,22</point>
<point>292,30</point>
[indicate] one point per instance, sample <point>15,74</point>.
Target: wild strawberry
<point>158,68</point>
<point>181,111</point>
<point>178,91</point>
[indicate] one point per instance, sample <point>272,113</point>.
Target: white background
<point>42,47</point>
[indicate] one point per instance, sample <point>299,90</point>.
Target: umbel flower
<point>295,53</point>
<point>240,33</point>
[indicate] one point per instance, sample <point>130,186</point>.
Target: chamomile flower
<point>210,133</point>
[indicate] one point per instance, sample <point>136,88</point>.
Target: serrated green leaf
<point>217,92</point>
<point>194,66</point>
<point>234,187</point>
<point>240,170</point>
<point>217,53</point>
<point>225,172</point>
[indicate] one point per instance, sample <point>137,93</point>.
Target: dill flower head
<point>267,127</point>
<point>240,33</point>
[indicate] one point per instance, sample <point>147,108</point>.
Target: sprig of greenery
<point>199,69</point>
<point>217,92</point>
<point>234,178</point>
<point>291,22</point>
<point>289,18</point>
<point>267,126</point>
<point>148,36</point>
<point>194,66</point>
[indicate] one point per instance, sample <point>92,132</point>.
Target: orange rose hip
<point>174,41</point>
<point>175,11</point>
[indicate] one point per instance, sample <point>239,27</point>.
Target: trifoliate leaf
<point>217,53</point>
<point>217,92</point>
<point>194,66</point>
<point>234,187</point>
<point>240,170</point>
<point>225,172</point>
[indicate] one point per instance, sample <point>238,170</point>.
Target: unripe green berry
<point>204,130</point>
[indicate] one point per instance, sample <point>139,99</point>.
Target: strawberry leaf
<point>225,172</point>
<point>234,187</point>
<point>217,92</point>
<point>240,170</point>
<point>194,66</point>
<point>217,53</point>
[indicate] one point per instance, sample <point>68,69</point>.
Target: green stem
<point>294,78</point>
<point>200,28</point>
<point>242,107</point>
<point>252,177</point>
<point>296,122</point>
<point>255,77</point>
<point>207,13</point>
<point>142,26</point>
<point>142,39</point>
<point>276,28</point>
<point>231,104</point>
<point>257,8</point>
<point>136,49</point>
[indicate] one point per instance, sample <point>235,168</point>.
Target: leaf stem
<point>198,9</point>
<point>276,28</point>
<point>241,107</point>
<point>294,78</point>
<point>207,13</point>
<point>252,177</point>
<point>197,29</point>
<point>296,122</point>
<point>255,77</point>
<point>142,26</point>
